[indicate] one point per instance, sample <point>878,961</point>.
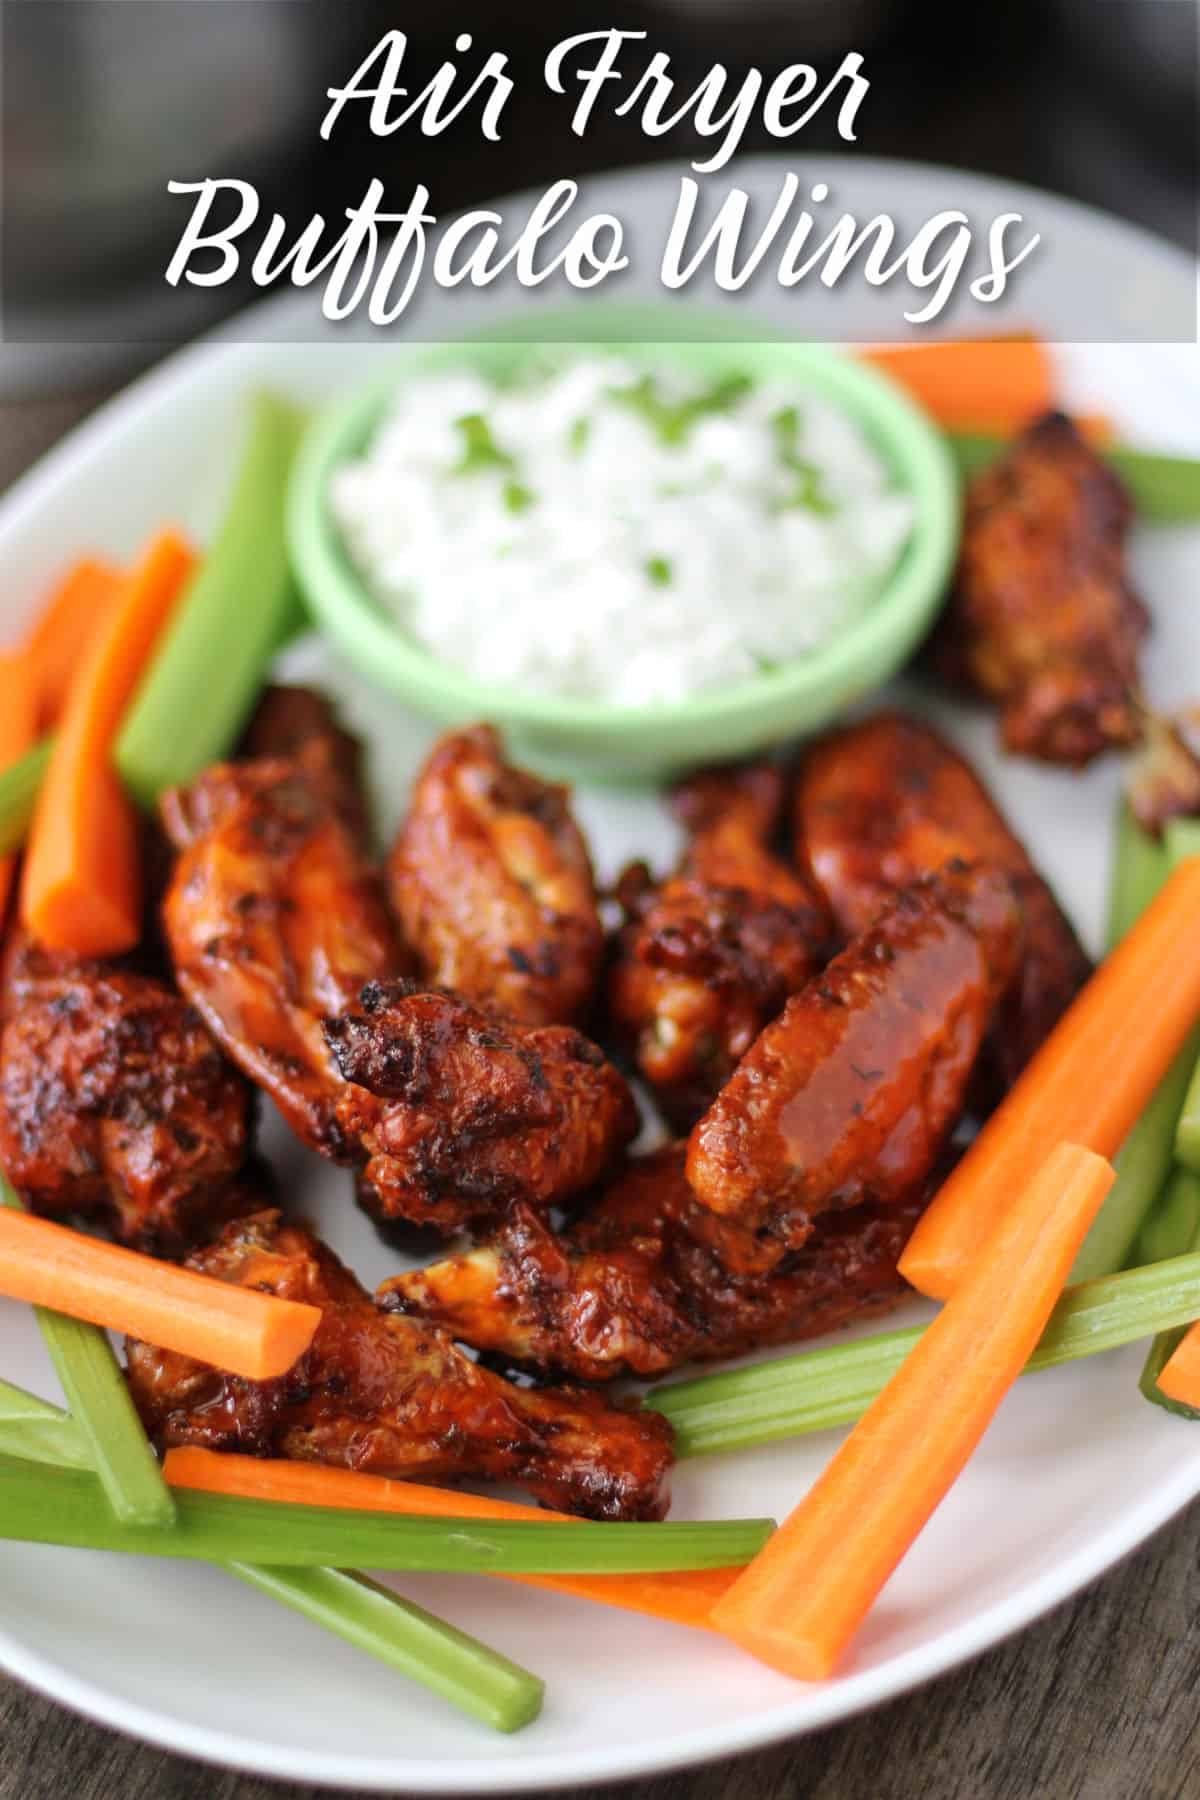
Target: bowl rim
<point>342,602</point>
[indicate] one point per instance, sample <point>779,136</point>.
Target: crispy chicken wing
<point>394,1396</point>
<point>1042,619</point>
<point>882,803</point>
<point>115,1103</point>
<point>711,955</point>
<point>1164,781</point>
<point>849,1096</point>
<point>281,940</point>
<point>274,918</point>
<point>302,725</point>
<point>640,1285</point>
<point>492,884</point>
<point>461,1112</point>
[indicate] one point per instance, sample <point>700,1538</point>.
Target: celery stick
<point>19,785</point>
<point>63,1506</point>
<point>406,1637</point>
<point>34,1429</point>
<point>91,1377</point>
<point>817,1389</point>
<point>1174,1224</point>
<point>371,1617</point>
<point>1187,1132</point>
<point>1176,1221</point>
<point>1144,1161</point>
<point>1164,489</point>
<point>236,612</point>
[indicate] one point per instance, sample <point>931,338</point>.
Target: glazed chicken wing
<point>274,918</point>
<point>116,1104</point>
<point>849,1096</point>
<point>461,1113</point>
<point>281,940</point>
<point>302,726</point>
<point>710,956</point>
<point>1042,620</point>
<point>641,1283</point>
<point>882,803</point>
<point>492,884</point>
<point>394,1396</point>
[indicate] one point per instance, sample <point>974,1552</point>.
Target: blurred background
<point>104,100</point>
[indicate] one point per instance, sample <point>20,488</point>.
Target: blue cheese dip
<point>598,531</point>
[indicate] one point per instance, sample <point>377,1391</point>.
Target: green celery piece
<point>1174,1224</point>
<point>126,1467</point>
<point>818,1389</point>
<point>1144,1161</point>
<point>366,1615</point>
<point>19,785</point>
<point>33,1429</point>
<point>1187,1132</point>
<point>1177,1219</point>
<point>406,1637</point>
<point>1164,489</point>
<point>237,610</point>
<point>63,1506</point>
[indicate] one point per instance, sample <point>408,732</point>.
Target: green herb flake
<point>660,571</point>
<point>480,449</point>
<point>672,420</point>
<point>578,436</point>
<point>517,497</point>
<point>809,491</point>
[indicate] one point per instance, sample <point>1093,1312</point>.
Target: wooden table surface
<point>1097,1702</point>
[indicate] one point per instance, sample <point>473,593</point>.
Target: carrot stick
<point>982,384</point>
<point>81,887</point>
<point>806,1593</point>
<point>65,628</point>
<point>239,1329</point>
<point>1089,1082</point>
<point>1179,1377</point>
<point>18,731</point>
<point>684,1598</point>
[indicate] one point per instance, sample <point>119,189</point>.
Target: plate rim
<point>1030,1600</point>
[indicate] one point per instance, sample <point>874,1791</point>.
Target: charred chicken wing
<point>115,1103</point>
<point>849,1096</point>
<point>274,918</point>
<point>642,1284</point>
<point>1042,619</point>
<point>394,1396</point>
<point>460,1112</point>
<point>710,956</point>
<point>301,725</point>
<point>880,804</point>
<point>492,884</point>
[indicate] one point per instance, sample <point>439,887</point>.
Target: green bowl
<point>591,738</point>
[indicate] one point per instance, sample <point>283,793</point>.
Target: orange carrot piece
<point>683,1598</point>
<point>81,890</point>
<point>1089,1083</point>
<point>238,1329</point>
<point>805,1595</point>
<point>978,384</point>
<point>18,733</point>
<point>1179,1377</point>
<point>65,629</point>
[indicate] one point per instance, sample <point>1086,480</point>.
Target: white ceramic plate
<point>1074,1473</point>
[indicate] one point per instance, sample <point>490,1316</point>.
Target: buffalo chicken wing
<point>394,1396</point>
<point>1042,620</point>
<point>642,1283</point>
<point>492,884</point>
<point>880,804</point>
<point>850,1095</point>
<point>115,1103</point>
<point>710,956</point>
